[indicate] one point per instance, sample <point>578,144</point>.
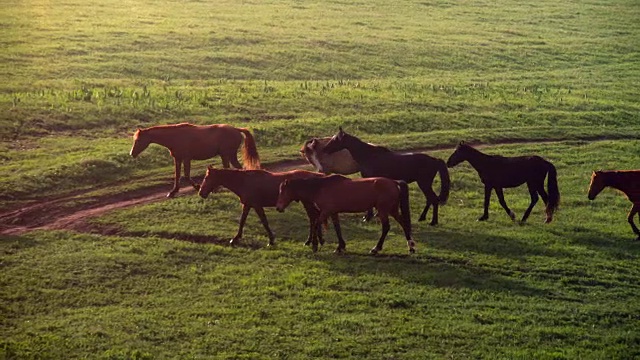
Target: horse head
<point>459,155</point>
<point>210,183</point>
<point>140,142</point>
<point>337,142</point>
<point>285,196</point>
<point>596,185</point>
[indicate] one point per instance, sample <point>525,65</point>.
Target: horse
<point>497,172</point>
<point>627,181</point>
<point>258,189</point>
<point>340,162</point>
<point>336,194</point>
<point>378,161</point>
<point>188,142</point>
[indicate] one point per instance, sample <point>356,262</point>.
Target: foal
<point>258,189</point>
<point>627,181</point>
<point>498,172</point>
<point>335,194</point>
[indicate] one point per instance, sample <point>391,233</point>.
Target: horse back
<point>356,195</point>
<point>200,142</point>
<point>262,187</point>
<point>507,172</point>
<point>628,181</point>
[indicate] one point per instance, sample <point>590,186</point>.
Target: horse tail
<point>445,181</point>
<point>552,189</point>
<point>404,204</point>
<point>250,157</point>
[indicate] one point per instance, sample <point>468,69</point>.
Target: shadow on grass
<point>626,247</point>
<point>434,271</point>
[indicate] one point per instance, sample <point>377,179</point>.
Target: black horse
<point>378,161</point>
<point>498,172</point>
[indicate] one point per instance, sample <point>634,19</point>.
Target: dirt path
<point>66,213</point>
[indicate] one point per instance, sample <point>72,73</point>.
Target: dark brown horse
<point>627,181</point>
<point>378,161</point>
<point>188,142</point>
<point>498,172</point>
<point>258,189</point>
<point>335,194</point>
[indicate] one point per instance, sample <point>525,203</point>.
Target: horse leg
<point>187,174</point>
<point>243,220</point>
<point>225,161</point>
<point>534,200</point>
<point>336,225</point>
<point>176,177</point>
<point>265,223</point>
<point>634,210</point>
<point>487,198</point>
<point>407,233</point>
<point>315,229</point>
<point>368,215</point>
<point>432,199</point>
<point>384,219</point>
<point>233,158</point>
<point>504,204</point>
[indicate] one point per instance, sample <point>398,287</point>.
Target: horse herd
<point>383,186</point>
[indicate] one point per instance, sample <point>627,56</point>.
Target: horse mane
<point>378,148</point>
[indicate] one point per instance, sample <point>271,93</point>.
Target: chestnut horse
<point>378,161</point>
<point>335,194</point>
<point>340,162</point>
<point>498,172</point>
<point>258,189</point>
<point>188,142</point>
<point>627,181</point>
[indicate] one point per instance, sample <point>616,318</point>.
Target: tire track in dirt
<point>51,214</point>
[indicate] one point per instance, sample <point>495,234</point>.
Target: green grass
<point>168,285</point>
<point>79,77</point>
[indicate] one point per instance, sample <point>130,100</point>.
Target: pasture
<point>159,280</point>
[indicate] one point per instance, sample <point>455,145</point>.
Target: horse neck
<point>359,149</point>
<point>618,180</point>
<point>477,159</point>
<point>233,180</point>
<point>164,136</point>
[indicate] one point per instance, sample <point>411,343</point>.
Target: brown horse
<point>258,189</point>
<point>627,181</point>
<point>340,162</point>
<point>498,172</point>
<point>335,194</point>
<point>188,142</point>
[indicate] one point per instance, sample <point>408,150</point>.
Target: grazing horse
<point>188,142</point>
<point>378,161</point>
<point>258,189</point>
<point>335,194</point>
<point>626,181</point>
<point>340,162</point>
<point>498,172</point>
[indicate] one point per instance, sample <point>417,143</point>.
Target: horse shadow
<point>434,271</point>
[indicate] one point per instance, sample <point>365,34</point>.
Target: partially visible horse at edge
<point>378,161</point>
<point>627,181</point>
<point>340,162</point>
<point>188,142</point>
<point>497,172</point>
<point>258,189</point>
<point>335,194</point>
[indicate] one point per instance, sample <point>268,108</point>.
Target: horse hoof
<point>512,216</point>
<point>307,243</point>
<point>171,194</point>
<point>196,186</point>
<point>338,250</point>
<point>548,220</point>
<point>433,223</point>
<point>483,218</point>
<point>422,219</point>
<point>412,251</point>
<point>373,251</point>
<point>314,248</point>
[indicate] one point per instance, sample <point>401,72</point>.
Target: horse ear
<point>461,142</point>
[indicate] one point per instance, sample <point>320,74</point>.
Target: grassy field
<point>560,78</point>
